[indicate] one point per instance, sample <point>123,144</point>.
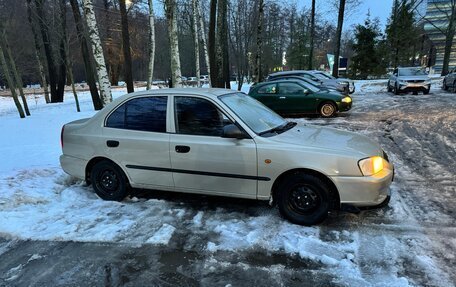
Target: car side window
<point>196,116</point>
<point>140,114</point>
<point>290,88</point>
<point>267,89</point>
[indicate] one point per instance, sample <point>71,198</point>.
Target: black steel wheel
<point>304,199</point>
<point>109,181</point>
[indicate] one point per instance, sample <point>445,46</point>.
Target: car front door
<point>294,98</point>
<point>202,160</point>
<point>136,139</point>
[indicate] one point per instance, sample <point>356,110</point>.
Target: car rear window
<point>141,114</point>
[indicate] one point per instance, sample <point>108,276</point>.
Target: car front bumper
<point>364,190</point>
<point>414,87</point>
<point>343,107</point>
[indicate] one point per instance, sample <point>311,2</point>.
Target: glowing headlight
<point>347,100</point>
<point>371,165</point>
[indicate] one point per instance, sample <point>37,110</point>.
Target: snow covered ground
<point>412,242</point>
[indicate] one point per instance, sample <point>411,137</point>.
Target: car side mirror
<point>232,131</point>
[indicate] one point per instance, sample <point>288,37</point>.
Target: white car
<point>222,142</point>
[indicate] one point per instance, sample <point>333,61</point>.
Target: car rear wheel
<point>304,199</point>
<point>327,110</point>
<point>109,181</point>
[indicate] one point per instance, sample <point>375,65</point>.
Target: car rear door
<point>137,139</point>
<point>202,160</point>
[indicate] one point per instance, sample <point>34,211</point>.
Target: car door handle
<point>182,149</point>
<point>282,98</point>
<point>112,143</point>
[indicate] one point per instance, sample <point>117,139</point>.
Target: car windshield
<point>412,72</point>
<point>253,113</point>
<point>323,75</point>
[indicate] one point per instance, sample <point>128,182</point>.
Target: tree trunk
<point>171,17</point>
<point>88,64</point>
<point>223,42</point>
<point>97,51</point>
<point>211,43</point>
<point>258,64</point>
<point>220,41</point>
<point>38,54</point>
<point>47,50</point>
<point>10,82</point>
<point>16,75</point>
<point>203,39</point>
<point>340,22</point>
<point>62,54</point>
<point>128,74</point>
<point>450,32</point>
<point>150,74</point>
<point>312,35</point>
<point>70,78</point>
<point>196,41</point>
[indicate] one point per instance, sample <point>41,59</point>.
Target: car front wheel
<point>109,181</point>
<point>327,110</point>
<point>304,199</point>
<point>388,87</point>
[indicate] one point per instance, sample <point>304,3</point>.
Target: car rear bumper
<point>73,166</point>
<point>364,190</point>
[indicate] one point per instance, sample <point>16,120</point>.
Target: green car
<point>292,97</point>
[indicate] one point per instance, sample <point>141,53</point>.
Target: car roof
<point>289,73</point>
<point>277,81</point>
<point>208,92</point>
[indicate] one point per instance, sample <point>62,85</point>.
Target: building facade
<point>437,18</point>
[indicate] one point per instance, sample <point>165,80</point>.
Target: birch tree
<point>170,9</point>
<point>12,65</point>
<point>10,82</point>
<point>196,40</point>
<point>97,50</point>
<point>203,39</point>
<point>150,71</point>
<point>90,70</point>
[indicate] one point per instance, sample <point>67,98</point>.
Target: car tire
<point>396,90</point>
<point>109,181</point>
<point>304,199</point>
<point>444,86</point>
<point>426,91</point>
<point>327,110</point>
<point>388,87</point>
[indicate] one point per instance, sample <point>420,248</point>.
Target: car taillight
<point>61,136</point>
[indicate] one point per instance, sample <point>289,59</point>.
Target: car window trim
<point>226,114</point>
<point>133,98</point>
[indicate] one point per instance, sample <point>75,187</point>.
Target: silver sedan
<point>222,142</point>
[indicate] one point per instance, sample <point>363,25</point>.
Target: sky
<point>377,8</point>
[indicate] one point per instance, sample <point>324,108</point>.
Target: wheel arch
<point>96,160</point>
<point>335,197</point>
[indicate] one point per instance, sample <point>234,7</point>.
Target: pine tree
<point>367,59</point>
